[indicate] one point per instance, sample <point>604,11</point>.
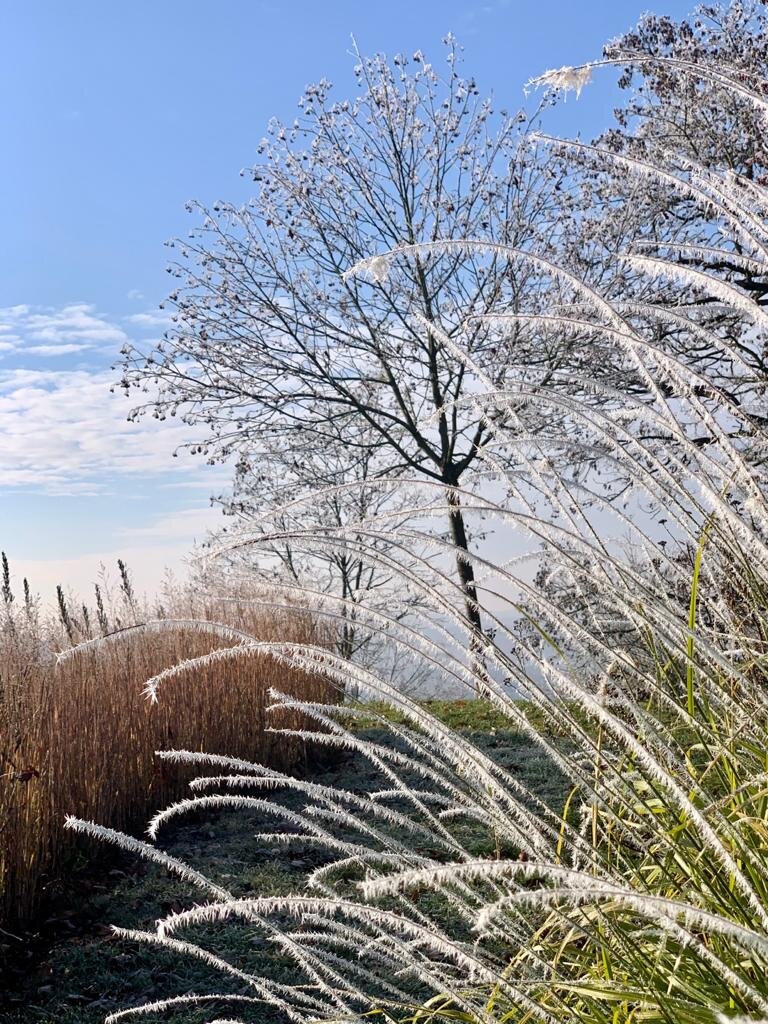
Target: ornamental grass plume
<point>450,891</point>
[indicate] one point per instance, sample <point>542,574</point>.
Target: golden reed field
<point>78,737</point>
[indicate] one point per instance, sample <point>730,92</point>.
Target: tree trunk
<point>346,645</point>
<point>467,579</point>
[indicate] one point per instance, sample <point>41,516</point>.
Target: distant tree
<point>283,501</point>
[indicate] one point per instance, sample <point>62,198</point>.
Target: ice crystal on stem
<point>565,79</point>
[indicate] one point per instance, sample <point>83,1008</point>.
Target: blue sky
<point>113,115</point>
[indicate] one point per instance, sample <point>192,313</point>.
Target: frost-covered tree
<point>673,116</point>
<point>674,131</point>
<point>272,346</point>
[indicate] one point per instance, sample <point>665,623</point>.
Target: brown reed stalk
<point>80,738</point>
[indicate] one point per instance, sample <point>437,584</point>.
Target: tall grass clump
<point>450,891</point>
<point>76,735</point>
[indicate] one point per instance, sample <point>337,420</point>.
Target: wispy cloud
<point>189,523</point>
<point>64,432</point>
<point>147,560</point>
<point>56,350</point>
<point>152,319</point>
<point>53,332</point>
<point>474,18</point>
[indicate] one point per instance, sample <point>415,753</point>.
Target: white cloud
<point>73,323</point>
<point>153,319</point>
<point>55,350</point>
<point>44,331</point>
<point>187,484</point>
<point>63,432</point>
<point>191,523</point>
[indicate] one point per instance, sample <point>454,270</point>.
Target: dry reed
<point>80,738</point>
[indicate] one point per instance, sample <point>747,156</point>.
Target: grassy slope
<point>86,973</point>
